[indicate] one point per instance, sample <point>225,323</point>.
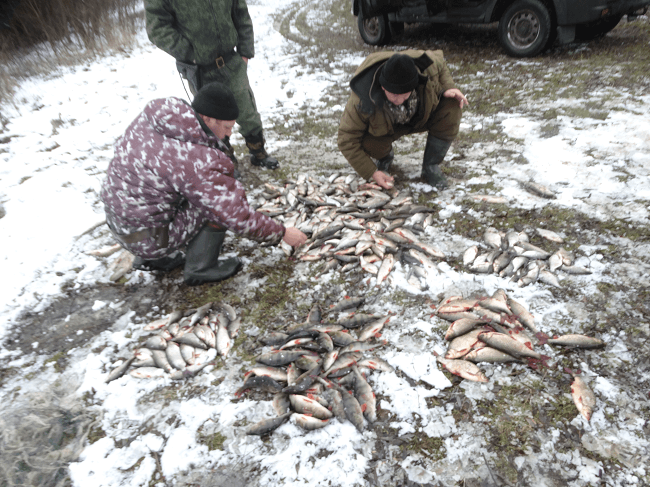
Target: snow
<point>62,129</point>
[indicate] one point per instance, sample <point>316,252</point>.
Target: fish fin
<point>364,406</point>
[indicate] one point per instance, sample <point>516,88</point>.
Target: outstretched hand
<point>294,237</point>
<point>384,180</point>
<point>458,95</point>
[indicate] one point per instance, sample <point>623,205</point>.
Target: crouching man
<point>397,94</point>
<point>170,186</point>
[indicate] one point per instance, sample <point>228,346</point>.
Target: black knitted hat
<point>216,100</point>
<point>399,74</point>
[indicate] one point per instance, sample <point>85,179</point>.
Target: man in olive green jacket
<point>212,40</point>
<point>396,94</point>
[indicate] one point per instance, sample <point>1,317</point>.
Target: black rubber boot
<point>202,262</point>
<point>434,153</point>
<point>259,156</point>
<point>231,156</point>
<point>384,163</point>
<point>164,264</point>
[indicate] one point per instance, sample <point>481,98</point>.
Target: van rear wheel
<point>525,28</point>
<point>374,30</point>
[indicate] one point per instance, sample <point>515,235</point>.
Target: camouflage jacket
<point>364,113</point>
<point>199,31</point>
<point>165,160</point>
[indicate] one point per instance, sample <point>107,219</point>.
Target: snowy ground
<point>432,430</point>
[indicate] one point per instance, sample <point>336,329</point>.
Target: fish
<point>274,373</point>
<point>330,358</point>
<point>462,368</point>
<point>372,329</point>
<point>575,270</point>
<point>278,358</point>
<point>223,340</point>
<point>281,403</point>
<point>375,363</point>
<point>200,313</point>
<point>147,372</point>
<point>120,370</point>
<point>174,356</point>
<point>538,189</point>
<point>233,328</point>
<point>161,360</point>
<point>304,381</point>
<point>266,426</point>
<point>365,396</point>
<point>461,327</point>
<point>156,342</point>
<point>347,303</point>
<point>583,397</point>
<point>121,265</point>
<point>488,198</point>
<point>548,278</point>
<point>105,251</point>
<point>336,402</point>
<point>305,405</point>
<point>507,344</point>
<point>274,338</point>
<point>492,237</point>
<point>307,422</point>
<point>549,235</point>
<point>522,315</point>
<point>356,320</point>
<point>470,255</point>
<point>190,338</point>
<point>575,340</point>
<point>490,355</point>
<point>261,382</point>
<point>385,268</point>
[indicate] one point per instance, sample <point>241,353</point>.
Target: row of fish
<point>316,369</point>
<point>498,329</point>
<point>511,255</point>
<point>185,343</point>
<point>352,224</point>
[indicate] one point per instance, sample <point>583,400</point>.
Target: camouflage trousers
<point>443,123</point>
<point>189,220</point>
<point>234,74</point>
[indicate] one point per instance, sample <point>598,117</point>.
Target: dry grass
<point>44,34</point>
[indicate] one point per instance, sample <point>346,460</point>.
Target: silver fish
<point>462,368</point>
<point>120,370</point>
<point>305,405</point>
<point>267,425</point>
<point>583,397</point>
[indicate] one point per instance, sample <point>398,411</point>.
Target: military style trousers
<point>443,123</point>
<point>234,74</point>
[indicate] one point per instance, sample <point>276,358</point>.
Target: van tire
<point>525,28</point>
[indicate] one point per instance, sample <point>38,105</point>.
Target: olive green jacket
<point>199,31</point>
<point>364,113</point>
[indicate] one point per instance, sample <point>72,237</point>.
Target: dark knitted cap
<point>399,74</point>
<point>216,100</point>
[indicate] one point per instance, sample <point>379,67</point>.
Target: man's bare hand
<point>384,180</point>
<point>456,93</point>
<point>294,237</point>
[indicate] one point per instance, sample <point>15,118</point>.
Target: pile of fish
<point>185,343</point>
<point>352,224</point>
<point>498,329</point>
<point>313,367</point>
<point>510,254</point>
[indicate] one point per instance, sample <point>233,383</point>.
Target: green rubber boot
<point>434,153</point>
<point>202,262</point>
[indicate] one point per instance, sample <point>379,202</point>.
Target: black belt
<point>219,62</point>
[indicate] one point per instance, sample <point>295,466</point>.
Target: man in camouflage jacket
<point>170,185</point>
<point>397,94</point>
<point>212,40</point>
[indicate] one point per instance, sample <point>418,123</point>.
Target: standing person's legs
<point>249,120</point>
